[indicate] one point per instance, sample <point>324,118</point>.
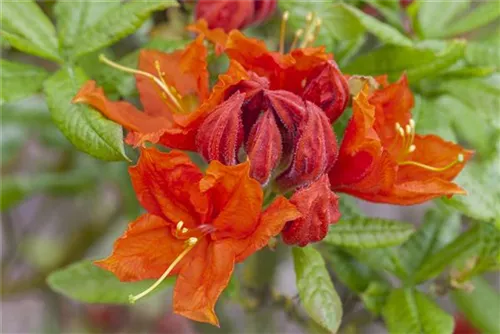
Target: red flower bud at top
<point>315,149</point>
<point>327,88</point>
<point>221,133</point>
<point>233,14</point>
<point>319,208</point>
<point>405,3</point>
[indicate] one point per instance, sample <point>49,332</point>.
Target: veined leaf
<point>85,282</point>
<point>410,311</point>
<point>439,228</point>
<point>380,259</point>
<point>434,17</point>
<point>17,188</point>
<point>117,24</point>
<point>316,290</point>
<point>20,80</point>
<point>481,15</point>
<point>28,29</point>
<point>368,233</point>
<point>74,17</point>
<point>418,62</point>
<point>482,240</point>
<point>87,129</point>
<point>481,306</point>
<point>483,54</point>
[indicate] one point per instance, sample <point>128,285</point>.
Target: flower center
<point>404,139</point>
<point>169,93</point>
<point>310,32</point>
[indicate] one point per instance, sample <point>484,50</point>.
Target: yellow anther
<point>284,20</point>
<point>179,225</point>
<point>401,131</point>
<point>190,243</point>
<point>412,123</point>
<point>184,230</point>
<point>309,17</point>
<point>298,35</point>
<point>409,130</point>
<point>412,148</point>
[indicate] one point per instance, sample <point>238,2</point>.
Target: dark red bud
<point>315,150</point>
<point>263,9</point>
<point>287,106</point>
<point>319,208</point>
<point>225,14</point>
<point>327,88</point>
<point>264,147</point>
<point>221,134</point>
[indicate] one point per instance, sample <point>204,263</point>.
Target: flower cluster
<point>265,125</point>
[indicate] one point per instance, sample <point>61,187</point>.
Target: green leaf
<point>85,282</point>
<point>418,62</point>
<point>375,296</point>
<point>117,24</point>
<point>74,17</point>
<point>12,140</point>
<point>410,311</point>
<point>85,128</point>
<point>368,233</point>
<point>482,240</point>
<point>434,17</point>
<point>380,259</point>
<point>17,188</point>
<point>481,15</point>
<point>483,54</point>
<point>316,290</point>
<point>434,116</point>
<point>482,201</point>
<point>439,228</point>
<point>28,29</point>
<point>382,31</point>
<point>20,80</point>
<point>481,306</point>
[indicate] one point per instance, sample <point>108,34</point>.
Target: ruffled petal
<point>202,279</point>
<point>166,185</point>
<point>271,222</point>
<point>217,36</point>
<point>236,199</point>
<point>144,251</point>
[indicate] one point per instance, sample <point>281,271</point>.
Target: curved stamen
<point>460,159</point>
<point>191,242</point>
<point>298,34</point>
<point>159,82</point>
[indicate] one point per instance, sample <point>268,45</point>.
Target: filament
<point>459,159</point>
<point>282,31</point>
<point>191,242</point>
<point>298,34</point>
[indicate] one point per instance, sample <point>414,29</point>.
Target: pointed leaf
<point>316,290</point>
<point>410,311</point>
<point>117,24</point>
<point>20,80</point>
<point>85,282</point>
<point>483,14</point>
<point>434,17</point>
<point>483,54</point>
<point>481,306</point>
<point>28,29</point>
<point>87,129</point>
<point>74,17</point>
<point>368,233</point>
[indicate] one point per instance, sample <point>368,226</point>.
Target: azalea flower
<point>196,228</point>
<point>234,14</point>
<point>173,89</point>
<point>382,159</point>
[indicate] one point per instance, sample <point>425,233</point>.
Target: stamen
<point>316,32</point>
<point>460,159</point>
<point>298,35</point>
<point>184,230</point>
<point>159,82</point>
<point>282,31</point>
<point>308,30</point>
<point>412,148</point>
<point>190,243</point>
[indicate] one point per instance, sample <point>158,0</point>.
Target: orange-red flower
<point>381,159</point>
<point>174,92</point>
<point>198,226</point>
<point>233,14</point>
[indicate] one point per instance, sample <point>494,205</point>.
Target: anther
<point>282,31</point>
<point>298,35</point>
<point>408,129</point>
<point>184,230</point>
<point>179,225</point>
<point>190,243</point>
<point>412,148</point>
<point>401,131</point>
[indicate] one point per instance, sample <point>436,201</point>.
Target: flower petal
<point>217,36</point>
<point>202,279</point>
<point>236,199</point>
<point>319,208</point>
<point>226,14</point>
<point>271,222</point>
<point>144,251</point>
<point>120,112</point>
<point>166,185</point>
